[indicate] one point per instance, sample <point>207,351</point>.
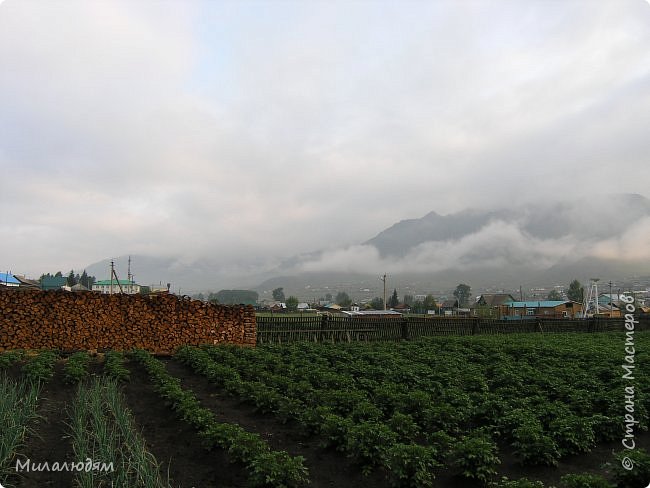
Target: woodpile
<point>35,319</point>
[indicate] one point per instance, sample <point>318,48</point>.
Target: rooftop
<point>537,303</point>
<point>371,312</point>
<point>115,282</point>
<point>8,278</point>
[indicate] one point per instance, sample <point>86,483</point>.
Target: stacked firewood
<point>33,319</point>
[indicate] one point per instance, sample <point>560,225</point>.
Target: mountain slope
<point>584,219</point>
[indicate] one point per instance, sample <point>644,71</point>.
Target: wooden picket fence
<point>280,329</point>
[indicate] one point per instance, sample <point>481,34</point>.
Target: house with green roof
<point>117,286</point>
<point>53,282</point>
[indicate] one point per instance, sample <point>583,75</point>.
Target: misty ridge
<point>543,242</point>
<point>612,227</point>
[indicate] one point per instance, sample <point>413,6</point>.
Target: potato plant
<point>114,366</point>
<point>266,467</point>
<point>40,368</point>
<point>545,397</point>
<point>76,367</point>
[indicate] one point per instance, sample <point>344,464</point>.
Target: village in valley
<point>596,298</point>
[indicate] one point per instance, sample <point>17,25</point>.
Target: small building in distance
<point>7,279</point>
<point>608,306</point>
<point>449,307</point>
<point>53,282</point>
<point>551,309</point>
<point>372,313</point>
<point>492,305</point>
<point>27,283</point>
<point>112,286</point>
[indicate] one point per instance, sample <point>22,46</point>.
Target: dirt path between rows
<point>174,443</point>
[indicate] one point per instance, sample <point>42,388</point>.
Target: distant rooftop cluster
<point>48,282</point>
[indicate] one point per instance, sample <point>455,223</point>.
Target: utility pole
<point>383,278</point>
<point>611,301</point>
<point>117,280</point>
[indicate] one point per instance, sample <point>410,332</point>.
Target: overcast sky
<point>253,130</point>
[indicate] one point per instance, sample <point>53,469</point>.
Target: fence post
<point>475,324</point>
<point>405,329</point>
<point>323,325</point>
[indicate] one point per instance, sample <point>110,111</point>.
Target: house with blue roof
<point>551,309</point>
<point>7,279</point>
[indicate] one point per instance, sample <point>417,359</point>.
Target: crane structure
<point>592,295</point>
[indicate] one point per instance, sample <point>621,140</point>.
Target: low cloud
<point>499,244</point>
<point>633,245</point>
<point>496,245</point>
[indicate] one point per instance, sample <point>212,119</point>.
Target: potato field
<point>519,410</point>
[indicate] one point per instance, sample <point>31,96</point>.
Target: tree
<point>483,311</point>
<point>576,291</point>
<point>408,300</point>
<point>554,295</point>
<point>377,303</point>
<point>429,303</point>
<point>278,294</point>
<point>83,279</point>
<point>462,294</point>
<point>423,306</point>
<point>328,297</point>
<point>58,274</point>
<point>292,304</point>
<point>343,299</point>
<point>71,280</point>
<point>235,297</point>
<point>393,301</point>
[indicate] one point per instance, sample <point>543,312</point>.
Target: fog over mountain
<point>536,243</point>
<point>582,219</point>
<point>535,236</point>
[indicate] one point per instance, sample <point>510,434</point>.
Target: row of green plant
<point>18,402</point>
<point>75,367</point>
<point>311,381</point>
<point>114,366</point>
<point>265,467</point>
<point>8,358</point>
<point>368,441</point>
<point>564,389</point>
<point>40,367</point>
<point>547,396</point>
<point>368,432</point>
<point>638,477</point>
<point>102,429</point>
